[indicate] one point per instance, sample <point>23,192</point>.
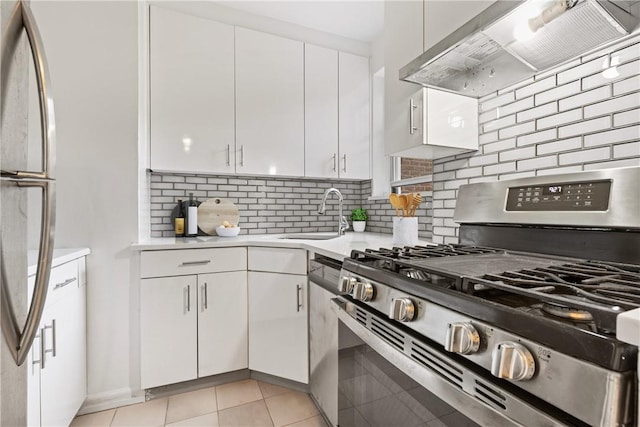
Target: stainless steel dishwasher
<point>324,274</point>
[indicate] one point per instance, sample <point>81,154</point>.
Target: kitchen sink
<point>309,236</point>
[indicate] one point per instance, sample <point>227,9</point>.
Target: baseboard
<point>109,400</point>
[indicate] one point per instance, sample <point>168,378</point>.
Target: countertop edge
<point>60,256</point>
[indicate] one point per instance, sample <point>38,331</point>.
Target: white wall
<point>93,52</point>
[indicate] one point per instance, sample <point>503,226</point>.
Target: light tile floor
<point>247,403</point>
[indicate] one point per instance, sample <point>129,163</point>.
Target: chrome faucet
<point>342,221</point>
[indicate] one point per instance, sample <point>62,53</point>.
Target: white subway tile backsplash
<point>499,123</point>
<point>453,185</point>
<point>545,135</point>
<point>448,194</point>
<point>617,135</point>
<point>520,153</point>
<point>585,69</point>
<point>487,137</point>
<point>536,87</point>
<point>584,127</point>
<point>585,156</point>
<point>482,179</point>
<point>627,54</point>
<point>626,86</point>
<point>480,160</point>
<point>558,69</point>
<point>555,171</point>
<point>616,104</point>
<point>584,98</point>
<point>627,117</point>
<point>624,71</point>
<point>515,107</point>
<point>488,116</point>
<point>516,130</point>
<point>456,164</point>
<point>538,163</point>
<point>497,101</point>
<point>469,172</point>
<point>534,113</point>
<point>498,146</point>
<point>559,119</point>
<point>612,164</point>
<point>557,93</point>
<point>631,149</point>
<point>516,175</point>
<point>559,146</point>
<point>500,168</point>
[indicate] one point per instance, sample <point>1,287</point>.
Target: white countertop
<point>60,256</point>
<point>337,248</point>
<point>628,327</point>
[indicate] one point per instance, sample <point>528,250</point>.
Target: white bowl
<point>227,232</point>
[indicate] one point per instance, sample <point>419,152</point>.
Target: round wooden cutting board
<point>213,212</point>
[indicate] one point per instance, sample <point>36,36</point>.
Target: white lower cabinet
<point>193,325</point>
<point>57,367</point>
<point>278,325</point>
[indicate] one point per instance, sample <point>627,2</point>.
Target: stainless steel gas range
<point>516,324</point>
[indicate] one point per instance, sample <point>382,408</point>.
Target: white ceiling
<point>357,19</point>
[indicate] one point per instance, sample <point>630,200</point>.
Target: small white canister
<point>405,231</point>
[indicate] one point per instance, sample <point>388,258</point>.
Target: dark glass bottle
<point>178,223</point>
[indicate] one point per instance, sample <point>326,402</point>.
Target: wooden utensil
<point>404,203</point>
<point>415,202</point>
<point>393,198</point>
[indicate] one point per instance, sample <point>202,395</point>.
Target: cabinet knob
<point>462,338</point>
<point>512,361</point>
<point>402,309</point>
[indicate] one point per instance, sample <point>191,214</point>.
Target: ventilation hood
<point>484,54</point>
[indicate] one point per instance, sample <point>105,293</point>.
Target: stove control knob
<point>512,361</point>
<point>462,338</point>
<point>363,291</point>
<point>346,285</point>
<point>402,309</point>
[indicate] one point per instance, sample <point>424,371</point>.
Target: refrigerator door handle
<point>19,340</point>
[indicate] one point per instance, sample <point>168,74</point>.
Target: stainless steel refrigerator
<point>19,312</point>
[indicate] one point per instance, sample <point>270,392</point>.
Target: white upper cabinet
<point>192,93</point>
<point>321,111</point>
<point>354,116</point>
<point>270,104</point>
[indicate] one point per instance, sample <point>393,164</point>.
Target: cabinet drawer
<point>278,260</point>
<point>62,281</point>
<point>180,262</point>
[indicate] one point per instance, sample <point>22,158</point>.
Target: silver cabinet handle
<point>18,339</point>
<point>335,157</point>
<point>65,283</point>
<point>204,297</point>
<point>228,154</point>
<point>242,155</point>
<point>203,262</point>
<point>35,361</point>
<point>298,299</point>
<point>412,127</point>
<point>188,298</point>
<point>44,349</point>
<point>344,159</point>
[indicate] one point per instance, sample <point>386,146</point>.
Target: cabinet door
<point>320,112</point>
<point>354,127</point>
<point>33,373</point>
<point>269,104</point>
<point>192,93</point>
<point>63,337</point>
<point>168,330</point>
<point>222,323</point>
<point>278,334</point>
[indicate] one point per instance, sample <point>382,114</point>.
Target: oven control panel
<point>574,196</point>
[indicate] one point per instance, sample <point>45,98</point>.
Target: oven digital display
<point>552,189</point>
<point>574,196</point>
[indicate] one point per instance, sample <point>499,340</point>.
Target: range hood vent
<point>484,55</point>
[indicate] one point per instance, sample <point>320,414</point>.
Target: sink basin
<point>309,236</point>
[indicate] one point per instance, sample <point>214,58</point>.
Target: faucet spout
<point>342,221</point>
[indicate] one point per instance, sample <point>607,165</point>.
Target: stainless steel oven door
<point>387,377</point>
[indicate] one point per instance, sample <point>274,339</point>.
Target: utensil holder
<point>405,231</point>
